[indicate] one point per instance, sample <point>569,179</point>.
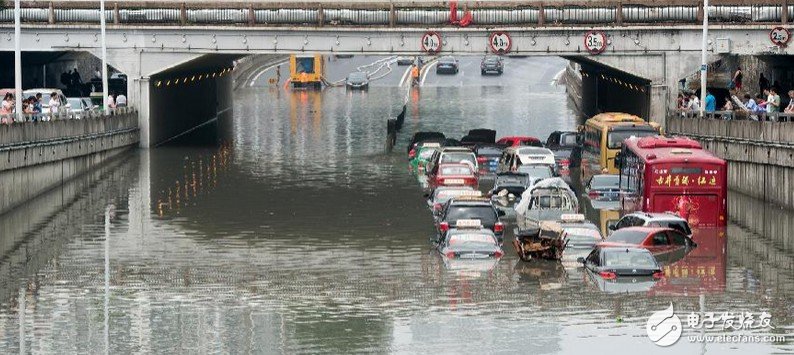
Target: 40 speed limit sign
<point>431,42</point>
<point>595,42</point>
<point>500,42</point>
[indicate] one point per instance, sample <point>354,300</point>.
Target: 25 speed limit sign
<point>431,42</point>
<point>595,42</point>
<point>780,36</point>
<point>500,42</point>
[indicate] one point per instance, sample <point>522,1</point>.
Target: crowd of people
<point>31,106</point>
<point>761,106</point>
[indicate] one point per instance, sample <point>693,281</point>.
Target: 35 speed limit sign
<point>595,42</point>
<point>431,42</point>
<point>500,42</point>
<point>780,36</point>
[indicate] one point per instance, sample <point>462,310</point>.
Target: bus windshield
<point>615,138</point>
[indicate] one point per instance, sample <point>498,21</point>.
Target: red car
<point>516,141</point>
<point>456,174</point>
<point>657,240</point>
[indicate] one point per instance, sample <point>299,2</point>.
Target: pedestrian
<point>710,102</point>
<point>738,76</point>
<point>772,101</point>
<point>790,107</point>
<point>121,100</point>
<point>37,106</point>
<point>111,102</point>
<point>55,105</point>
<point>7,108</point>
<point>415,75</point>
<point>694,104</point>
<point>763,83</point>
<point>728,108</point>
<point>27,107</point>
<point>749,103</point>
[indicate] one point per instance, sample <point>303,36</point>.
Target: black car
<point>491,65</point>
<point>611,262</point>
<point>405,60</point>
<point>357,80</point>
<point>420,137</point>
<point>563,139</point>
<point>447,65</point>
<point>469,208</point>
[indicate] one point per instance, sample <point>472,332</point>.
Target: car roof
<point>609,247</point>
<point>647,230</point>
<point>456,150</point>
<point>472,200</point>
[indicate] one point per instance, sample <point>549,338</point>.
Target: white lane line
<point>265,70</point>
<point>429,66</point>
<point>405,75</point>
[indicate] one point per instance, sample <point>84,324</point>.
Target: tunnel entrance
<point>606,89</point>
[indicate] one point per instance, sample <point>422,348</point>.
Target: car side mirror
<point>580,260</point>
<point>501,213</point>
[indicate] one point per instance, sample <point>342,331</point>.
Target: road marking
<point>405,75</point>
<point>429,66</point>
<point>265,70</point>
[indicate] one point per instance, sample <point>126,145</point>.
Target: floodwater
<point>301,233</point>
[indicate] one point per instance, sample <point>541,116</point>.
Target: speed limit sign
<point>779,36</point>
<point>500,42</point>
<point>431,42</point>
<point>595,42</point>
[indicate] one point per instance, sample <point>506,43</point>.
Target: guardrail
<point>12,119</point>
<point>395,14</point>
<point>61,130</point>
<point>738,115</point>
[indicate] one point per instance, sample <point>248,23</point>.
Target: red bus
<point>660,174</point>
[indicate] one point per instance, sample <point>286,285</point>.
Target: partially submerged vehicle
<point>551,238</point>
<point>547,200</point>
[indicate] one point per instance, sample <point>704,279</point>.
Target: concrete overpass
<point>157,42</point>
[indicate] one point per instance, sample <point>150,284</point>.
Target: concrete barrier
<point>37,156</point>
<point>760,155</point>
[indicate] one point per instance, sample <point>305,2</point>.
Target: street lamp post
<point>18,60</point>
<point>703,58</point>
<point>104,57</point>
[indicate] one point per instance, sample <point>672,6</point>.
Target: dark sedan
<point>611,263</point>
<point>447,65</point>
<point>491,65</point>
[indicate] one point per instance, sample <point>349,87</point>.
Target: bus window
<point>615,138</point>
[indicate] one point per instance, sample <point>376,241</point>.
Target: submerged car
<point>547,200</point>
<point>447,65</point>
<point>508,189</point>
<point>659,241</point>
<point>442,194</point>
<point>423,155</point>
<point>551,238</point>
<point>488,158</point>
<point>451,155</point>
<point>515,141</point>
<point>421,137</point>
<point>491,64</point>
<point>357,80</point>
<point>609,262</point>
<point>453,175</point>
<point>603,191</point>
<point>653,219</point>
<point>464,207</point>
<point>469,240</point>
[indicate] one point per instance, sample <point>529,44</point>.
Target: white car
<point>513,157</point>
<point>79,106</point>
<point>652,219</point>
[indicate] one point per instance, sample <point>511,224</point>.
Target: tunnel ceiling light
<point>158,83</point>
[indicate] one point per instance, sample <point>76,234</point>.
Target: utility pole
<point>105,93</point>
<point>18,60</point>
<point>703,58</point>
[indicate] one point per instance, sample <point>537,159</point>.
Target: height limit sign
<point>500,42</point>
<point>431,42</point>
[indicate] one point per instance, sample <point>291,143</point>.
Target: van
<point>513,157</point>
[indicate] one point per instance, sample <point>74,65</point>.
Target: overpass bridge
<point>653,44</point>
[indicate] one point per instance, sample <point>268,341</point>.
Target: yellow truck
<point>306,70</point>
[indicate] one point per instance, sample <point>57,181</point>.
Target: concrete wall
<point>35,157</point>
<point>760,155</point>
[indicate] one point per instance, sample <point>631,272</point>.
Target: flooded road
<point>300,233</point>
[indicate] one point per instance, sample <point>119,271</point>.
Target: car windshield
<point>455,170</point>
<point>605,182</point>
<point>426,153</point>
<point>472,240</point>
<point>447,60</point>
<point>484,213</point>
<point>678,225</point>
<point>615,138</point>
<point>457,157</point>
<point>627,258</point>
<point>568,140</point>
<point>536,171</point>
<point>357,76</point>
<point>583,234</point>
<point>75,102</point>
<point>489,151</point>
<point>491,60</point>
<point>627,236</point>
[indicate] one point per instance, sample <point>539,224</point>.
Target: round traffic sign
<point>500,42</point>
<point>780,36</point>
<point>595,42</point>
<point>431,42</point>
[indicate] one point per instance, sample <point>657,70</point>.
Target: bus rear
<point>695,191</point>
<point>306,70</point>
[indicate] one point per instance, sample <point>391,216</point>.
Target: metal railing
<point>738,115</point>
<point>636,12</point>
<point>11,119</point>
